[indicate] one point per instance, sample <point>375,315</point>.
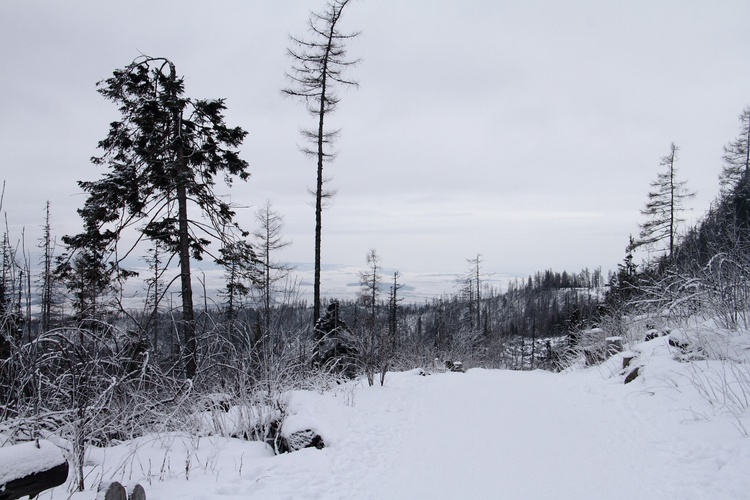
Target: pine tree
<point>665,203</point>
<point>393,307</point>
<point>239,261</point>
<point>46,279</point>
<point>737,156</point>
<point>162,157</point>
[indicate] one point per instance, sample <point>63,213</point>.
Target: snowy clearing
<point>481,434</point>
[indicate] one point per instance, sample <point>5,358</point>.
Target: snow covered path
<point>484,434</point>
<point>493,434</point>
<point>503,434</point>
<point>518,435</point>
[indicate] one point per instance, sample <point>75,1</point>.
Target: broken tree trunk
<point>30,468</point>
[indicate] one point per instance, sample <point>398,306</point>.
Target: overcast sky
<point>525,131</point>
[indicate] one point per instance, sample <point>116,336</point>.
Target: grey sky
<point>526,131</point>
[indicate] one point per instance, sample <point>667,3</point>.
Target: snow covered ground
<point>582,434</point>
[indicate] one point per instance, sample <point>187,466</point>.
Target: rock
<point>682,346</point>
<point>652,334</point>
<point>633,374</point>
<point>302,439</point>
<point>627,359</point>
<point>138,493</point>
<point>456,366</point>
<point>111,491</point>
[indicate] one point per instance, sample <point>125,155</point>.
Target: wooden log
<point>27,469</point>
<point>35,483</point>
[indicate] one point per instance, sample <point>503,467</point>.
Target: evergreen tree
<point>737,156</point>
<point>46,278</point>
<point>162,157</point>
<point>665,203</point>
<point>239,261</point>
<point>88,279</point>
<point>393,309</point>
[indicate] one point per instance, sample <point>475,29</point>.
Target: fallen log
<point>30,468</point>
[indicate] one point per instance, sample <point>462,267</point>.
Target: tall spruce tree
<point>162,158</point>
<point>318,66</point>
<point>665,204</point>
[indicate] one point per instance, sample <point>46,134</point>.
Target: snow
<point>24,459</point>
<point>581,434</point>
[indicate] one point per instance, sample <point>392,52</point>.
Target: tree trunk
<point>188,314</point>
<point>319,207</point>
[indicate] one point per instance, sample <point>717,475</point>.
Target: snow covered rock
<point>116,491</point>
<point>137,493</point>
<point>303,439</point>
<point>455,366</point>
<point>447,365</point>
<point>633,374</point>
<point>111,491</point>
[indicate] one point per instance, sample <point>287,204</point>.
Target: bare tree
<point>269,240</point>
<point>318,66</point>
<point>371,339</point>
<point>470,288</point>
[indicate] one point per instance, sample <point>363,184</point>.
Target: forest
<point>80,363</point>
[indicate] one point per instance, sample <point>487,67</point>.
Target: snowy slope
<point>582,434</point>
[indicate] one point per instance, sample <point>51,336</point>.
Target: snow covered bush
<point>81,386</point>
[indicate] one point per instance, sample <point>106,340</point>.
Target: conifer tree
<point>46,278</point>
<point>239,261</point>
<point>737,156</point>
<point>664,206</point>
<point>162,158</point>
